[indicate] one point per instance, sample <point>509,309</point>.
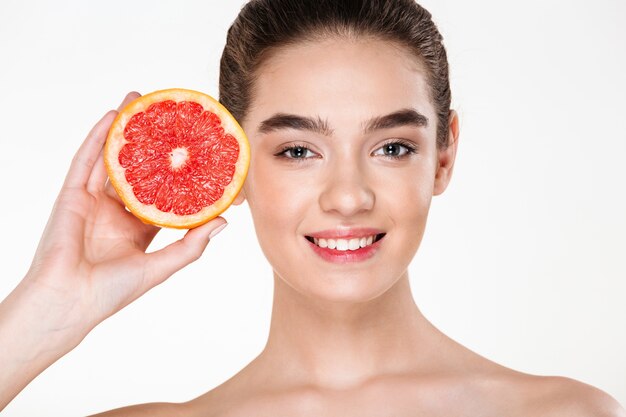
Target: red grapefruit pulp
<point>176,157</point>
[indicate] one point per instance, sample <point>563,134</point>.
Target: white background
<point>523,258</point>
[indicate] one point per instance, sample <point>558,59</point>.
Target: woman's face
<point>344,156</point>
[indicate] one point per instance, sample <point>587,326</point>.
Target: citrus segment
<point>177,158</point>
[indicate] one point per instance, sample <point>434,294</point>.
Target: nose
<point>346,191</point>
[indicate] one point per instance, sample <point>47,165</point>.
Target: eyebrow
<point>404,117</point>
<point>292,121</point>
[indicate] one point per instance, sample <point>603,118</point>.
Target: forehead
<point>341,80</point>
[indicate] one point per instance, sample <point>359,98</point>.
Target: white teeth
<point>344,244</point>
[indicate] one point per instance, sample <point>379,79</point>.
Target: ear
<point>447,156</point>
<point>241,197</point>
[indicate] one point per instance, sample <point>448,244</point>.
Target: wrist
<point>38,325</point>
<point>30,339</point>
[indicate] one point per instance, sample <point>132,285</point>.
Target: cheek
<point>406,200</point>
<point>278,201</point>
<point>415,216</point>
<point>406,192</point>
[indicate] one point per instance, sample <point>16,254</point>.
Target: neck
<point>339,344</point>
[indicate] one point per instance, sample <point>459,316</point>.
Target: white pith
<point>345,244</point>
<point>178,157</point>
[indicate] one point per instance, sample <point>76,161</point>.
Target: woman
<point>347,111</point>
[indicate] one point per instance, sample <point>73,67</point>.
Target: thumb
<point>161,264</point>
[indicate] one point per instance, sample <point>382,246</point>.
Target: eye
<point>395,149</point>
<point>296,152</point>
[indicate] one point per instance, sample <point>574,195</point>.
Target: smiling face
<point>344,165</point>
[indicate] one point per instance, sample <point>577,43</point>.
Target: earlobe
<point>447,156</point>
<point>241,197</point>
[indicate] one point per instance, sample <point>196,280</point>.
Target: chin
<point>344,288</point>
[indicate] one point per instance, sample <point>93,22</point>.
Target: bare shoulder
<point>552,396</point>
<point>216,402</point>
<point>147,410</point>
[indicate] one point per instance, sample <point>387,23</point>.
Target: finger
<point>110,191</point>
<point>129,97</point>
<point>98,176</point>
<point>86,156</point>
<point>164,262</point>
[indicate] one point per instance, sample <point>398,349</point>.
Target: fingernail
<point>214,232</point>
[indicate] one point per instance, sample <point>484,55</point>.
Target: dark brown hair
<point>263,25</point>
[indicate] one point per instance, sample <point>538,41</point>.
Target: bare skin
<point>349,340</point>
<point>345,339</point>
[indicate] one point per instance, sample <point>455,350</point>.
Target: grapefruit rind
<point>149,213</point>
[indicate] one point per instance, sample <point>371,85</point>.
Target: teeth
<point>344,244</point>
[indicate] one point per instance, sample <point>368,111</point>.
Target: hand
<point>91,260</point>
<point>89,264</point>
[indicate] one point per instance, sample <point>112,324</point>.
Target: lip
<point>347,256</point>
<point>348,233</point>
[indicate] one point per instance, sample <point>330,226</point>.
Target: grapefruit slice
<point>177,158</point>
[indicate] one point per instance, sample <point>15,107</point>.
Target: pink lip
<point>346,233</point>
<point>347,256</point>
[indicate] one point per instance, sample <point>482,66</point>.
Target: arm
<point>90,263</point>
